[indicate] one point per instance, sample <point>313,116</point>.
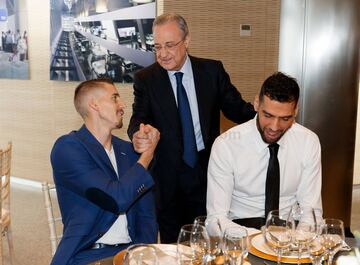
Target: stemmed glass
<point>316,251</point>
<point>235,245</point>
<point>332,237</point>
<point>278,231</point>
<point>215,236</point>
<point>192,245</point>
<point>305,227</point>
<point>139,254</point>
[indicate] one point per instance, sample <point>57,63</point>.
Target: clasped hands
<point>146,138</point>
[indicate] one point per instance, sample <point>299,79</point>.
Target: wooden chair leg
<point>11,245</point>
<point>1,250</point>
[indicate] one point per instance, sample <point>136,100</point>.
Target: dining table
<point>251,258</point>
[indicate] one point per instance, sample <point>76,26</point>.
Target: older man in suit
<point>103,186</point>
<point>182,96</point>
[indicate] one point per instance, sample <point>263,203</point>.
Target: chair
<point>5,167</point>
<point>49,192</point>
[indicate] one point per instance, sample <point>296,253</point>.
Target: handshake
<point>145,141</point>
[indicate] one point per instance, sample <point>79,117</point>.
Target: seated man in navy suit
<point>103,186</point>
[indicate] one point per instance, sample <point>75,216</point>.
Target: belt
<point>255,222</point>
<point>102,245</point>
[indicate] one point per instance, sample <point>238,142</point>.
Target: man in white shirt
<point>239,160</point>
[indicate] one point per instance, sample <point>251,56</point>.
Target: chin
<point>119,125</point>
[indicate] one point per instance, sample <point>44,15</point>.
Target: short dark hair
<point>172,17</point>
<point>280,87</point>
<point>83,90</point>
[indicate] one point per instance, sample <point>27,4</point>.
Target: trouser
<point>182,199</point>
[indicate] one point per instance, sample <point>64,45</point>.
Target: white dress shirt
<point>118,232</point>
<point>189,85</point>
<point>238,166</point>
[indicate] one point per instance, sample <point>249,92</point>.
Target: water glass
<point>235,245</point>
<point>192,245</point>
<point>332,237</point>
<point>139,254</point>
<point>278,231</point>
<point>305,227</point>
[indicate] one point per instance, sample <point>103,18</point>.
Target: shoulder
<point>65,139</point>
<point>237,135</point>
<point>299,129</point>
<point>205,63</point>
<point>66,146</point>
<point>149,71</point>
<point>303,137</point>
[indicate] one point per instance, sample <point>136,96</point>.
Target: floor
<point>30,229</point>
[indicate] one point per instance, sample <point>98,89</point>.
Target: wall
<point>33,113</point>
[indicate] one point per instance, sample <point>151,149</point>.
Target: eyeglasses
<point>169,46</point>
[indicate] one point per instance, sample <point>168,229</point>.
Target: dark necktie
<point>272,190</point>
<point>189,143</point>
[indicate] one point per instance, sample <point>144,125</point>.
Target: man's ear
<point>256,102</point>
<point>187,40</point>
<point>93,104</point>
<point>296,110</point>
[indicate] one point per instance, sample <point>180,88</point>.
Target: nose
<point>162,52</point>
<point>121,104</point>
<point>275,124</point>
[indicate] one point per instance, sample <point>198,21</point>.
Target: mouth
<point>272,135</point>
<point>121,113</point>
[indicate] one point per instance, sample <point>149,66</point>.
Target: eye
<point>115,98</point>
<point>170,46</point>
<point>267,115</point>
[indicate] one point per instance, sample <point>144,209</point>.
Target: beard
<point>119,125</point>
<point>263,136</point>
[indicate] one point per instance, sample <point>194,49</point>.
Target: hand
<point>143,138</point>
<point>145,141</point>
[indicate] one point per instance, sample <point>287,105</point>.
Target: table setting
<point>292,236</point>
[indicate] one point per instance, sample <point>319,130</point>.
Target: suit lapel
<point>165,97</point>
<point>96,150</point>
<point>122,158</point>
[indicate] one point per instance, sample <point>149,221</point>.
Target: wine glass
<point>200,220</point>
<point>332,237</point>
<point>278,231</point>
<point>235,245</point>
<point>316,251</point>
<point>305,227</point>
<point>192,245</point>
<point>215,236</point>
<point>139,254</point>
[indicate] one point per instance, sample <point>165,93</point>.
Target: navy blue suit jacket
<point>91,196</point>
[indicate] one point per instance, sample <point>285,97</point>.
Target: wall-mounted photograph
<point>100,38</point>
<point>14,59</point>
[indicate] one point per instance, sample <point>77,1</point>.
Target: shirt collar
<point>185,69</point>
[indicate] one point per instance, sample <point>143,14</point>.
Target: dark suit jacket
<point>91,196</point>
<point>155,104</point>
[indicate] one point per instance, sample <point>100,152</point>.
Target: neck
<point>101,133</point>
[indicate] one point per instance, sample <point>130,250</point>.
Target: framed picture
<point>14,59</point>
<point>100,38</point>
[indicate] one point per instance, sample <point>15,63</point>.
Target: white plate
<point>258,242</point>
<point>166,253</point>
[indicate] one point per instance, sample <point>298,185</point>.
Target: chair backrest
<point>5,168</point>
<point>54,221</point>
